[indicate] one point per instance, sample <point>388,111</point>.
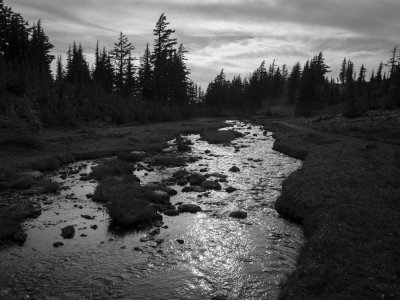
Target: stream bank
<point>346,197</point>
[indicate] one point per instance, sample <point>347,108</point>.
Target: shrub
<point>47,164</point>
<point>126,201</point>
<point>111,168</point>
<point>49,187</point>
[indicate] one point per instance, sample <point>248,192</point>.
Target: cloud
<point>232,34</point>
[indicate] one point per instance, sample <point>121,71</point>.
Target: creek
<point>217,257</point>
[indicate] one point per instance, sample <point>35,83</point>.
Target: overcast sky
<point>236,35</point>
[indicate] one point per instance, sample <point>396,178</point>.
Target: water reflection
<point>220,257</point>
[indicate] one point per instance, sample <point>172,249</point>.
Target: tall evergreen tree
<point>162,53</point>
<point>146,80</point>
<point>40,47</point>
<point>293,83</point>
<point>121,56</point>
<point>343,71</point>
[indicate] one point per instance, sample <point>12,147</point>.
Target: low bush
<point>111,168</point>
<point>47,164</point>
<point>49,187</point>
<point>126,200</point>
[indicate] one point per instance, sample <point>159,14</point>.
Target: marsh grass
<point>23,141</point>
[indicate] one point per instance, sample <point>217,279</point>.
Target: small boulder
<point>238,214</point>
<point>190,208</point>
<point>230,189</point>
<point>211,185</point>
<point>197,179</point>
<point>182,181</point>
<point>68,232</point>
<point>58,244</point>
<point>171,212</point>
<point>87,217</point>
<point>234,169</point>
<point>180,174</point>
<point>197,189</point>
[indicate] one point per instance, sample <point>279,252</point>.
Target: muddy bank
<point>346,197</point>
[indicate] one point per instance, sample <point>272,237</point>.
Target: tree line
<point>308,88</point>
<point>114,89</point>
<point>158,87</point>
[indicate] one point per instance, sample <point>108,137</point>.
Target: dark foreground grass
<point>347,197</point>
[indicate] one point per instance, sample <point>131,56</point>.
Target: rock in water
<point>230,189</point>
<point>58,244</point>
<point>238,214</point>
<point>171,212</point>
<point>190,208</point>
<point>234,169</point>
<point>211,185</point>
<point>197,179</point>
<point>68,232</point>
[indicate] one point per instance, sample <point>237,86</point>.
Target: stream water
<point>220,257</point>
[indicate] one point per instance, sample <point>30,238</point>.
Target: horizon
<point>232,35</point>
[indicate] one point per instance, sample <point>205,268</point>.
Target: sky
<point>236,35</point>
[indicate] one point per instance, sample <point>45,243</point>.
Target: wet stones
<point>238,214</point>
<point>87,217</point>
<point>197,179</point>
<point>68,232</point>
<point>171,212</point>
<point>197,189</point>
<point>58,244</point>
<point>182,181</point>
<point>211,185</point>
<point>234,169</point>
<point>180,174</point>
<point>230,189</point>
<point>190,208</point>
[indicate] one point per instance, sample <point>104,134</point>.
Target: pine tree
<point>178,77</point>
<point>120,53</point>
<point>293,83</point>
<point>361,75</point>
<point>161,57</point>
<point>60,70</point>
<point>343,70</point>
<point>129,84</point>
<point>40,47</point>
<point>146,87</point>
<point>306,92</point>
